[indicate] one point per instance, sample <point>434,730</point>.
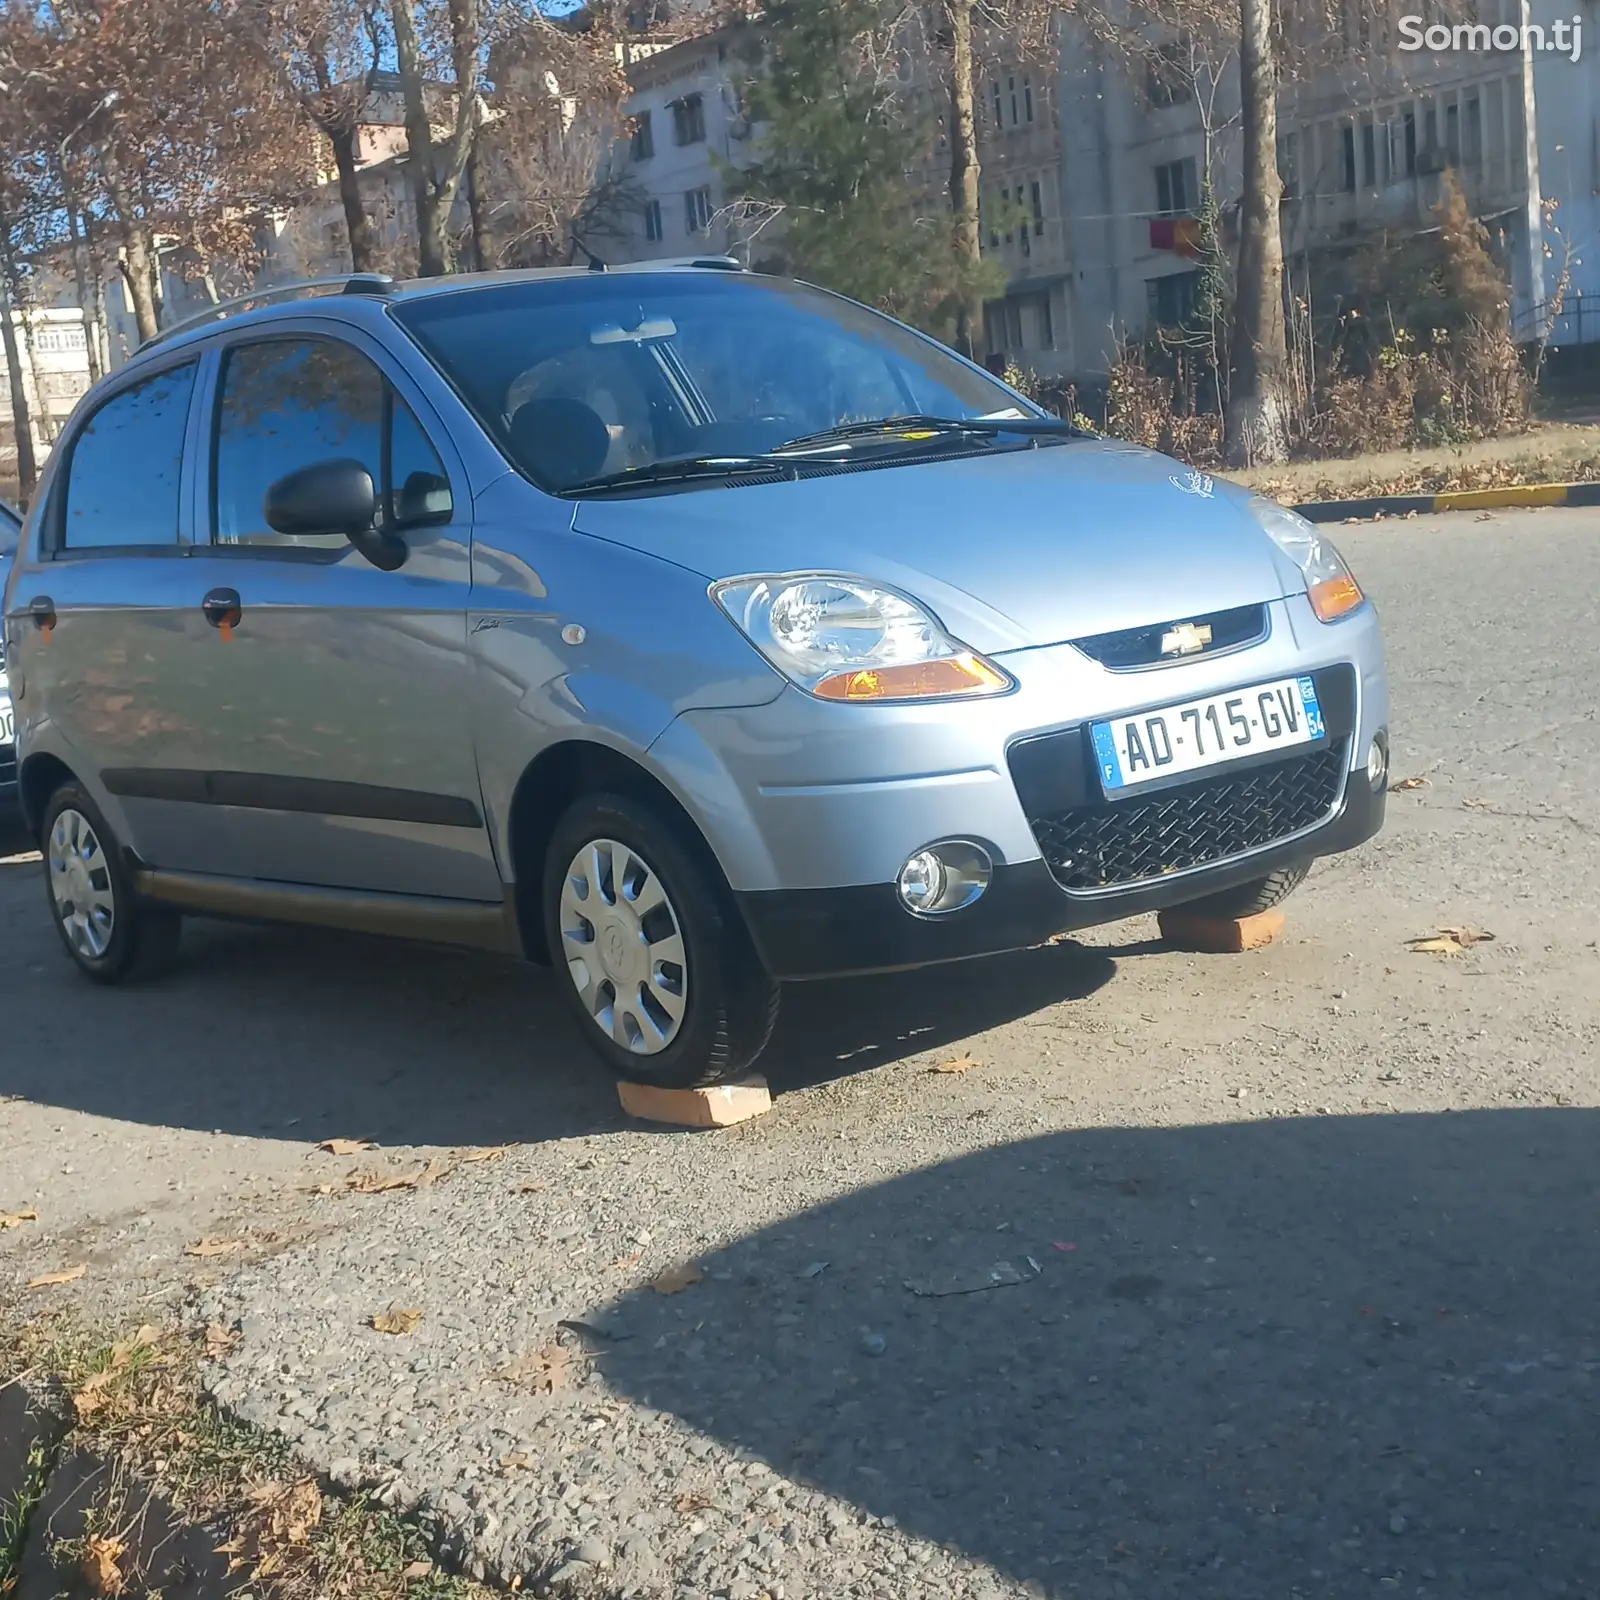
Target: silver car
<point>685,630</point>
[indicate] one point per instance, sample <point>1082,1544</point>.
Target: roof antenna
<point>595,263</point>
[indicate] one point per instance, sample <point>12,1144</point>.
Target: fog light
<point>1378,762</point>
<point>944,877</point>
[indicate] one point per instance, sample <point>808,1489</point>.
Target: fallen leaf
<point>687,1504</point>
<point>1002,1275</point>
<point>1449,941</point>
<point>346,1147</point>
<point>15,1219</point>
<point>100,1569</point>
<point>961,1063</point>
<point>544,1370</point>
<point>216,1247</point>
<point>1476,805</point>
<point>627,1261</point>
<point>416,1569</point>
<point>66,1275</point>
<point>676,1279</point>
<point>393,1321</point>
<point>298,1512</point>
<point>493,1153</point>
<point>515,1463</point>
<point>219,1340</point>
<point>384,1182</point>
<point>1402,785</point>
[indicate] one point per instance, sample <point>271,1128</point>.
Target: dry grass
<point>137,1403</point>
<point>1548,453</point>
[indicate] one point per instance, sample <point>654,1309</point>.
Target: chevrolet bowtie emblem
<point>1186,639</point>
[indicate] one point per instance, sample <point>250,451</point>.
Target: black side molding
<point>264,791</point>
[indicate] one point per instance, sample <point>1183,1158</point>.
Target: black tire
<point>1250,899</point>
<point>142,940</point>
<point>730,1000</point>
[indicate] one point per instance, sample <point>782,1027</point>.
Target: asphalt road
<point>1316,1308</point>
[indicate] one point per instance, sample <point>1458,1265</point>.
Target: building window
<point>1166,78</point>
<point>1011,94</point>
<point>1411,143</point>
<point>653,230</point>
<point>1452,134</point>
<point>1170,300</point>
<point>1369,153</point>
<point>697,210</point>
<point>643,144</point>
<point>1176,190</point>
<point>1289,164</point>
<point>1036,201</point>
<point>1027,98</point>
<point>689,120</point>
<point>1347,151</point>
<point>1472,150</point>
<point>999,121</point>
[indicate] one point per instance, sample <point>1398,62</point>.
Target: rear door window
<point>126,472</point>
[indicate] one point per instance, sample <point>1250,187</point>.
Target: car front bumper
<point>812,808</point>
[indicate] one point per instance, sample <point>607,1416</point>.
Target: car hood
<point>1011,550</point>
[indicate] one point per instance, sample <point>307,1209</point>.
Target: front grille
<point>1141,647</point>
<point>1107,844</point>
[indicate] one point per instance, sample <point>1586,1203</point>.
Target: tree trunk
<point>83,277</point>
<point>432,248</point>
<point>1256,419</point>
<point>21,418</point>
<point>485,252</point>
<point>136,267</point>
<point>964,173</point>
<point>363,242</point>
<point>99,271</point>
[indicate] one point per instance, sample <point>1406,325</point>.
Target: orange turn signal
<point>963,674</point>
<point>1335,597</point>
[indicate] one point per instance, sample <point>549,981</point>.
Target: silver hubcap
<point>80,882</point>
<point>623,946</point>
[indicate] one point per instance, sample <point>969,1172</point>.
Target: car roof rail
<point>367,283</point>
<point>706,263</point>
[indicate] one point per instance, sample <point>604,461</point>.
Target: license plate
<point>1205,733</point>
<point>8,719</point>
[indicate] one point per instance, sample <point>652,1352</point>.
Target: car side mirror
<point>334,497</point>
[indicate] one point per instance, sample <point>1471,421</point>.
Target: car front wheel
<point>1250,899</point>
<point>106,930</point>
<point>648,949</point>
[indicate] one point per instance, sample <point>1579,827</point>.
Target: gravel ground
<point>1265,1275</point>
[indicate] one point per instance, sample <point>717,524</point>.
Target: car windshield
<point>582,378</point>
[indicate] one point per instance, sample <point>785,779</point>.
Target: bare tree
<point>437,170</point>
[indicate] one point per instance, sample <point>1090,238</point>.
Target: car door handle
<point>223,609</point>
<point>43,611</point>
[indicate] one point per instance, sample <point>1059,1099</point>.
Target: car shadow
<point>1313,1357</point>
<point>305,1034</point>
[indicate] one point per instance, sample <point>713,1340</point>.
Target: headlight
<point>1330,585</point>
<point>843,638</point>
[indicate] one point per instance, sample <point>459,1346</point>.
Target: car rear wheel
<point>1250,899</point>
<point>648,949</point>
<point>106,931</point>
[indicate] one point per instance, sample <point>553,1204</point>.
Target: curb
<point>1399,505</point>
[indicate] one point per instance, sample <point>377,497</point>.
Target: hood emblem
<point>1186,639</point>
<point>1194,482</point>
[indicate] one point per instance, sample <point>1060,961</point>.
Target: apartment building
<point>54,355</point>
<point>688,133</point>
<point>1366,133</point>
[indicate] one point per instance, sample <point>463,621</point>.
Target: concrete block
<point>1222,936</point>
<point>718,1107</point>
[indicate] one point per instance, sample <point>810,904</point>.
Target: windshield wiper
<point>982,427</point>
<point>677,469</point>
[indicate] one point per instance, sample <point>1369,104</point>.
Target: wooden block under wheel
<point>718,1107</point>
<point>1223,936</point>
